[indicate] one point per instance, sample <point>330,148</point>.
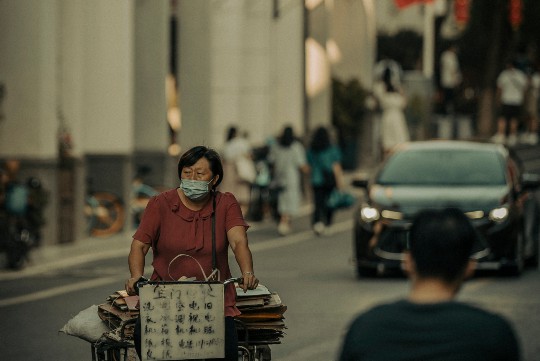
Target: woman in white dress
<point>393,123</point>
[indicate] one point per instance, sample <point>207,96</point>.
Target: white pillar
<point>194,72</point>
<point>239,65</point>
<point>28,71</point>
<point>429,40</point>
<point>151,65</point>
<point>107,79</point>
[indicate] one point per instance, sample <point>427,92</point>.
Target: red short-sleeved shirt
<point>172,229</point>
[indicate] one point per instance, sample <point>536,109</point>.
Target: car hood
<point>411,199</point>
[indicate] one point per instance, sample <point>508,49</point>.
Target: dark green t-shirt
<point>427,332</point>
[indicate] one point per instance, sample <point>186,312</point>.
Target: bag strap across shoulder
<point>214,258</point>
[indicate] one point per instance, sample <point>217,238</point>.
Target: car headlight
<point>498,214</point>
<point>369,214</point>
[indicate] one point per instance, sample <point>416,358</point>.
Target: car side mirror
<point>530,181</point>
<point>360,183</point>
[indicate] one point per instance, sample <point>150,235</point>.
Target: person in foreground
<point>430,324</point>
<point>179,222</point>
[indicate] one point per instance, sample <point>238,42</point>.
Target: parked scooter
<point>21,219</point>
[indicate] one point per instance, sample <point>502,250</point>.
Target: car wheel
<point>532,261</point>
<point>532,231</point>
<point>362,271</point>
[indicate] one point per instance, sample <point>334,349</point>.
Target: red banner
<point>404,3</point>
<point>514,13</point>
<point>461,11</point>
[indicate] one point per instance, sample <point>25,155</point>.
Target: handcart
<point>250,350</point>
<point>106,349</point>
<point>260,324</point>
<point>113,341</point>
<point>258,327</point>
<point>182,319</point>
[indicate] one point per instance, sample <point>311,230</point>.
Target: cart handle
<point>143,280</point>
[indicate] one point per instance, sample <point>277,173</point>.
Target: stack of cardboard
<point>120,312</point>
<point>262,319</point>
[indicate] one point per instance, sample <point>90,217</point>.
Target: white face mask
<point>195,189</point>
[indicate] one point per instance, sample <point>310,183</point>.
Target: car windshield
<point>443,167</point>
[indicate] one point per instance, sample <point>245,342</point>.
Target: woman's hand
<point>249,281</point>
<point>130,286</point>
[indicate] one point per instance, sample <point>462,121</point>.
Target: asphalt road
<point>313,276</point>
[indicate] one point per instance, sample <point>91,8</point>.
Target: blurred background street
<point>98,100</point>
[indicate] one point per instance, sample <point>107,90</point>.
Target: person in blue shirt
<point>324,159</point>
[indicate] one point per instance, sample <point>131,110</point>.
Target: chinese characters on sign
<point>182,321</point>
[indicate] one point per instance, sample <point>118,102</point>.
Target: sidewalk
<point>57,256</point>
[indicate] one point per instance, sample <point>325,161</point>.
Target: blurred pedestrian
<point>430,324</point>
<point>450,78</point>
<point>324,159</point>
<point>239,167</point>
<point>392,102</point>
<point>511,86</point>
<point>533,108</point>
<point>189,221</point>
<point>288,159</point>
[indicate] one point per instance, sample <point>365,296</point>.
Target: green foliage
<point>348,105</point>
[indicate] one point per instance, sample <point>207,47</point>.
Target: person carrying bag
<point>324,160</point>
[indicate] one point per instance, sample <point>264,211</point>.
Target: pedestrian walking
<point>533,109</point>
<point>326,174</point>
<point>511,86</point>
<point>239,167</point>
<point>430,324</point>
<point>450,78</point>
<point>288,159</point>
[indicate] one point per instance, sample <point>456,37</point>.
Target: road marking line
<point>64,263</point>
<point>57,291</point>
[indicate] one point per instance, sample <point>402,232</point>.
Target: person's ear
<point>214,182</point>
<point>470,268</point>
<point>408,264</point>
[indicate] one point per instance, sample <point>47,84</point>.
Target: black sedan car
<point>484,180</point>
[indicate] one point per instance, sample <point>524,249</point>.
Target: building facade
<point>93,90</point>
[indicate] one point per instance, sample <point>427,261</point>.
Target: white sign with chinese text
<point>182,321</point>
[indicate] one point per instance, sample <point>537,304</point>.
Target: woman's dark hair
<point>287,137</point>
<point>192,155</point>
<point>441,243</point>
<point>320,140</point>
<point>231,133</point>
<point>387,78</point>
